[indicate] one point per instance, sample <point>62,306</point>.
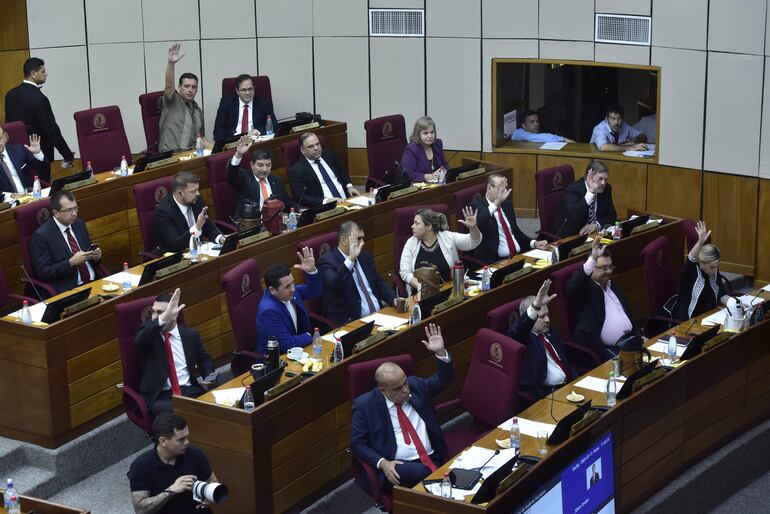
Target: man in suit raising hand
<point>16,161</point>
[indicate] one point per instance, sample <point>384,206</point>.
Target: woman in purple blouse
<point>424,155</point>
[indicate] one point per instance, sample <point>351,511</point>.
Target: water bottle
<point>14,506</point>
<point>554,253</point>
<point>441,175</point>
<point>338,353</point>
<point>416,316</point>
<point>486,275</point>
<point>90,168</point>
<point>199,146</point>
<point>292,224</point>
<point>672,347</point>
<point>515,435</point>
<point>446,486</point>
<point>612,390</point>
<point>37,189</point>
<point>248,400</point>
<point>123,166</point>
<point>617,232</point>
<point>318,345</point>
<point>126,277</point>
<point>269,126</point>
<point>26,314</point>
<point>9,491</point>
<point>372,196</point>
<point>194,247</point>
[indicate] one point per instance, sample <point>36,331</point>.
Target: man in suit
<point>545,364</point>
<point>603,312</point>
<point>61,250</point>
<point>172,354</point>
<point>28,104</point>
<point>242,112</point>
<point>181,215</point>
<point>395,428</point>
<point>281,312</point>
<point>19,164</point>
<point>587,204</point>
<point>352,288</point>
<point>258,184</point>
<point>594,476</point>
<point>501,237</point>
<point>317,178</point>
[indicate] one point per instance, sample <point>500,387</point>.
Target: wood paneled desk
<point>30,504</point>
<point>294,445</point>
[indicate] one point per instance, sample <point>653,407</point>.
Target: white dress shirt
<point>180,362</point>
<point>502,243</point>
<point>554,375</point>
<point>328,192</point>
<point>292,312</point>
<point>19,187</point>
<point>364,304</point>
<point>236,161</point>
<point>62,228</point>
<point>194,230</point>
<point>240,116</point>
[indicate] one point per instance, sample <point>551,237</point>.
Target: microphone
<point>302,195</point>
<point>553,392</point>
<point>29,281</point>
<point>497,452</point>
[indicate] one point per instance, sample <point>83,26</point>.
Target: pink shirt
<point>616,322</point>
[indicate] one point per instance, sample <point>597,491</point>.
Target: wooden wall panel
<point>730,204</point>
<point>762,269</point>
<point>524,167</point>
<point>629,186</point>
<point>674,191</point>
<point>11,62</point>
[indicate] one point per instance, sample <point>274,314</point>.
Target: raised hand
<point>34,144</point>
<point>173,53</point>
<point>173,308</point>
<point>597,248</point>
<point>435,342</point>
<point>703,234</point>
<point>470,218</point>
<point>355,246</point>
<point>202,217</point>
<point>543,297</point>
<point>244,143</point>
<point>306,260</point>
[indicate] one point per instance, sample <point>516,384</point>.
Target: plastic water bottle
<point>441,175</point>
<point>372,196</point>
<point>199,146</point>
<point>416,316</point>
<point>672,347</point>
<point>126,277</point>
<point>9,492</point>
<point>194,247</point>
<point>554,253</point>
<point>269,126</point>
<point>248,400</point>
<point>14,506</point>
<point>485,277</point>
<point>612,390</point>
<point>90,168</point>
<point>26,314</point>
<point>37,189</point>
<point>446,486</point>
<point>515,435</point>
<point>617,232</point>
<point>338,353</point>
<point>123,166</point>
<point>318,345</point>
<point>292,224</point>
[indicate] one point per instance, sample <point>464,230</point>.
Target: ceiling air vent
<point>396,22</point>
<point>626,30</point>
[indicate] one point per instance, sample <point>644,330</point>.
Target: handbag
<point>272,209</point>
<point>429,278</point>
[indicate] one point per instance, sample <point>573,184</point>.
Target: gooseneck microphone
<point>497,452</point>
<point>30,282</point>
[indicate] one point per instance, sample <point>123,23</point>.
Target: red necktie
<point>74,248</point>
<point>508,236</point>
<point>409,433</point>
<point>245,119</point>
<point>172,377</point>
<point>552,352</point>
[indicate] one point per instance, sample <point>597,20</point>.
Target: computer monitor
<point>427,305</point>
<point>148,273</point>
<point>220,145</point>
<point>587,484</point>
<point>499,275</point>
<point>231,241</point>
<point>55,308</point>
<point>59,183</point>
<point>565,248</point>
<point>142,163</point>
<point>354,337</point>
<point>510,123</point>
<point>696,345</point>
<point>452,174</point>
<point>630,224</point>
<point>308,215</point>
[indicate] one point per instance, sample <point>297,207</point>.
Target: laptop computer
<point>220,145</point>
<point>59,183</point>
<point>54,309</point>
<point>565,248</point>
<point>628,386</point>
<point>452,174</point>
<point>308,215</point>
<point>148,273</point>
<point>696,345</point>
<point>231,241</point>
<point>499,275</point>
<point>142,163</point>
<point>354,337</point>
<point>630,224</point>
<point>427,305</point>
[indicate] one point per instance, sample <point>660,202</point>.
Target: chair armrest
<point>132,397</point>
<point>448,405</point>
<point>327,325</point>
<point>371,476</point>
<point>226,227</point>
<point>21,298</point>
<point>40,284</point>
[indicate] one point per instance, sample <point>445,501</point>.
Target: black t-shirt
<point>149,473</point>
<point>433,256</point>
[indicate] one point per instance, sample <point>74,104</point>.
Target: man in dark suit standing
<point>395,428</point>
<point>181,215</point>
<point>501,236</point>
<point>28,104</point>
<point>587,204</point>
<point>61,250</point>
<point>317,178</point>
<point>258,184</point>
<point>171,355</point>
<point>19,164</point>
<point>352,286</point>
<point>545,364</point>
<point>242,112</point>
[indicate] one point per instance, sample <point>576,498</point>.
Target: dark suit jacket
<point>245,183</point>
<point>229,114</point>
<point>342,303</point>
<point>372,435</point>
<point>534,367</point>
<point>707,299</point>
<point>28,104</point>
<point>487,250</point>
<point>573,214</point>
<point>306,186</point>
<point>26,167</point>
<point>51,253</point>
<point>152,349</point>
<point>170,226</point>
<point>273,317</point>
<point>587,298</point>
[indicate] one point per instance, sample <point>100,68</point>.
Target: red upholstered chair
<point>320,244</point>
<point>261,86</point>
<point>28,218</point>
<point>690,234</point>
<point>17,133</point>
<point>6,295</point>
<point>292,153</point>
<point>549,189</point>
<point>500,318</point>
<point>147,196</point>
<point>661,285</point>
<point>102,137</point>
<point>225,197</point>
<point>385,142</point>
<point>402,230</point>
<point>243,292</point>
<point>361,380</point>
<point>129,316</point>
<point>462,198</point>
<point>151,105</point>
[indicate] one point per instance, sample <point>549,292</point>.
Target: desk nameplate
<point>472,173</point>
<point>162,162</point>
<point>79,183</point>
<point>369,341</point>
<point>330,213</point>
<point>253,239</point>
<point>77,307</point>
<point>172,269</point>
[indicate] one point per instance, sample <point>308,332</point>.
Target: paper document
<point>383,320</point>
<point>229,397</point>
<point>476,456</point>
<point>661,346</point>
<point>117,278</point>
<point>457,494</point>
<point>527,427</point>
<point>750,300</point>
<point>207,248</point>
<point>718,318</point>
<point>641,153</point>
<point>362,200</point>
<point>766,288</point>
<point>553,145</point>
<point>330,336</point>
<point>596,384</point>
<point>36,311</point>
<point>539,254</point>
<point>130,171</point>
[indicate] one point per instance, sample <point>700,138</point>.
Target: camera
<point>209,491</point>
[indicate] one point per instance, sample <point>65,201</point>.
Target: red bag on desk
<point>272,209</point>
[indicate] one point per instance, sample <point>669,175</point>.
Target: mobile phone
<point>93,247</point>
<point>212,377</point>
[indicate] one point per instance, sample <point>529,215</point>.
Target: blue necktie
<point>332,188</point>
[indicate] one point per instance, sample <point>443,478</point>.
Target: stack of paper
<point>553,146</point>
<point>331,336</point>
<point>596,384</point>
<point>229,397</point>
<point>475,457</point>
<point>539,254</point>
<point>117,278</point>
<point>383,320</point>
<point>661,346</point>
<point>718,318</point>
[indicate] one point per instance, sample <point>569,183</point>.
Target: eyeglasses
<point>605,269</point>
<point>71,210</point>
<point>246,90</point>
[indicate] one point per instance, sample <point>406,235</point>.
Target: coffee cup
<point>400,304</point>
<point>295,353</point>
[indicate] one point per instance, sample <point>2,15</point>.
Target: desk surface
<point>587,150</point>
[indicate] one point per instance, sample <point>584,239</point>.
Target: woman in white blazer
<point>431,233</point>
